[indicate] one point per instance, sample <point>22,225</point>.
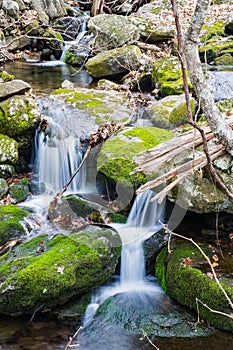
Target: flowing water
<point>120,307</point>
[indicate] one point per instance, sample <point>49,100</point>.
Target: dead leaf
<point>188,262</point>
<point>215,264</point>
<point>215,257</point>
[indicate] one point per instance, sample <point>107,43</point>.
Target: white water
<point>142,223</point>
<point>57,157</point>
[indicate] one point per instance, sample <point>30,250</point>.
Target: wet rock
<point>112,31</point>
<point>50,272</point>
<point>117,61</point>
<point>6,170</point>
<point>13,87</point>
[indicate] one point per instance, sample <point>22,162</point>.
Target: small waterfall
<point>143,222</point>
<point>57,157</point>
<point>78,42</point>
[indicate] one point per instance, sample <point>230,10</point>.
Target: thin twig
<point>146,336</point>
<point>72,338</point>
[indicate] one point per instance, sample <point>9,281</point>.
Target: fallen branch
<point>68,345</point>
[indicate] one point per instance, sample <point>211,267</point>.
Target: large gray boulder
<point>117,61</point>
<point>53,8</point>
<point>112,31</point>
<point>13,87</point>
<point>8,150</point>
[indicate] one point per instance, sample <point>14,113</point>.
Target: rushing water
<point>133,293</point>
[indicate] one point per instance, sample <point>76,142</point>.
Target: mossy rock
<point>215,29</point>
<point>116,158</point>
<point>98,104</point>
<point>10,226</point>
<point>112,31</point>
<point>3,187</point>
<point>167,76</point>
<point>169,111</point>
<point>114,62</point>
<point>224,60</point>
<point>19,115</point>
<point>8,150</point>
<point>6,171</point>
<point>56,44</point>
<point>83,211</point>
<point>181,275</point>
<point>215,47</point>
<point>225,105</point>
<point>19,191</point>
<point>48,273</point>
<point>5,76</point>
<point>151,32</point>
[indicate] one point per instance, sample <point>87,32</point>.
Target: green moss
<point>19,190</point>
<point>52,271</point>
<point>6,76</point>
<point>224,60</point>
<point>225,105</point>
<point>160,268</point>
<point>115,159</point>
<point>185,284</point>
<point>215,47</point>
<point>10,227</point>
<point>217,28</point>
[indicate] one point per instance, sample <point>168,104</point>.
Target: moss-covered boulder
<point>3,187</point>
<point>44,272</point>
<point>98,104</point>
<point>78,211</point>
<point>169,111</point>
<point>215,29</point>
<point>151,32</point>
<point>10,223</point>
<point>116,61</point>
<point>19,191</point>
<point>6,170</point>
<point>116,158</point>
<point>185,276</point>
<point>224,60</point>
<point>215,47</point>
<point>19,116</point>
<point>167,76</point>
<point>112,31</point>
<point>8,150</point>
<point>54,42</point>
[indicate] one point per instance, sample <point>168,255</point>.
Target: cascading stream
<point>143,222</point>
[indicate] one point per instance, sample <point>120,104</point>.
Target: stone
<point>168,112</point>
<point>112,31</point>
<point>13,87</point>
<point>215,47</point>
<point>3,187</point>
<point>11,7</point>
<point>53,8</point>
<point>6,170</point>
<point>19,115</point>
<point>221,85</point>
<point>19,191</point>
<point>11,227</point>
<point>117,61</point>
<point>8,150</point>
<point>50,271</point>
<point>184,277</point>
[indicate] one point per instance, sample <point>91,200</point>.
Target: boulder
<point>167,77</point>
<point>53,8</point>
<point>11,227</point>
<point>169,111</point>
<point>6,170</point>
<point>117,61</point>
<point>3,187</point>
<point>51,271</point>
<point>8,150</point>
<point>13,87</point>
<point>19,191</point>
<point>229,25</point>
<point>215,47</point>
<point>151,32</point>
<point>184,275</point>
<point>221,85</point>
<point>116,161</point>
<point>19,115</point>
<point>112,31</point>
<point>11,8</point>
<point>96,105</point>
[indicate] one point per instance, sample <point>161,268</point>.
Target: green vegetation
<point>10,227</point>
<point>181,277</point>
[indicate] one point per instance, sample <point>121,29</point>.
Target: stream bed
<point>39,331</point>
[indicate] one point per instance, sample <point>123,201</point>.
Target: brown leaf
<point>215,257</point>
<point>188,262</point>
<point>215,264</point>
